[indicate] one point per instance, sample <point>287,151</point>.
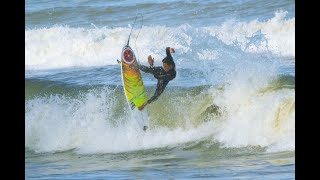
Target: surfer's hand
<point>172,50</point>
<point>150,60</point>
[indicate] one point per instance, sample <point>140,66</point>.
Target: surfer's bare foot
<point>142,107</point>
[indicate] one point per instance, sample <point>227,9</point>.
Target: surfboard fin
<point>132,105</point>
<point>145,128</point>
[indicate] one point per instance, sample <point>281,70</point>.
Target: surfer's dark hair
<point>169,61</point>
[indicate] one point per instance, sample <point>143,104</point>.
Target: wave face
<point>97,120</point>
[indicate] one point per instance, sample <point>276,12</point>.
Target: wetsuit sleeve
<point>146,69</point>
<point>168,76</point>
<point>168,52</point>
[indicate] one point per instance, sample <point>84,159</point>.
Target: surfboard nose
<point>128,56</point>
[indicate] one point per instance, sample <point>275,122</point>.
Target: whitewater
<point>229,113</point>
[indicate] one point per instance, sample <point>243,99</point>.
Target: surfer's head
<point>168,64</point>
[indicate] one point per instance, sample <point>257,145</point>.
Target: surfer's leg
<point>161,85</point>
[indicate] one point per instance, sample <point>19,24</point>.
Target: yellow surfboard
<point>133,85</point>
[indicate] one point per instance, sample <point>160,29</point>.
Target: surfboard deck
<point>133,87</point>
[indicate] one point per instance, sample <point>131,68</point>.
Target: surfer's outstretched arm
<point>150,69</point>
<point>168,76</point>
<point>168,52</point>
<point>146,69</point>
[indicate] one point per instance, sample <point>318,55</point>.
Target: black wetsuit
<point>160,74</point>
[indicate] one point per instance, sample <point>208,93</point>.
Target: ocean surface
<point>228,114</point>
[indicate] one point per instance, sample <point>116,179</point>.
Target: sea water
<point>228,114</point>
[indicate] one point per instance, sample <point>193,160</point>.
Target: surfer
<point>162,74</point>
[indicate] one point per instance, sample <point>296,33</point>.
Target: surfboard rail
<point>132,79</point>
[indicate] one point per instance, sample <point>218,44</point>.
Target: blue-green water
<point>228,114</point>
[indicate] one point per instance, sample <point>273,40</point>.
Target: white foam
<point>64,47</point>
<point>252,116</point>
<point>58,123</point>
<point>276,35</point>
<point>89,124</point>
<point>128,138</point>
